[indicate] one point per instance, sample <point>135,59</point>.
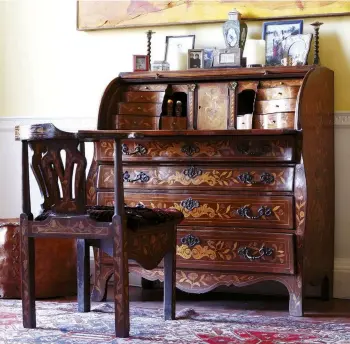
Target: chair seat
<point>137,217</point>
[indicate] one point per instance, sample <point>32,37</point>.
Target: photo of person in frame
<point>195,59</point>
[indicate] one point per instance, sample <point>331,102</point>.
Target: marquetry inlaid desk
<point>258,204</point>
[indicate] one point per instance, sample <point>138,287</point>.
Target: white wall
<point>49,71</point>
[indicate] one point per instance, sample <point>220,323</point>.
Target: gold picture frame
<point>107,14</point>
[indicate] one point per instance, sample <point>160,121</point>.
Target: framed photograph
<point>230,57</point>
<point>275,35</point>
<point>195,58</point>
<point>177,47</point>
<point>208,57</point>
<point>297,49</point>
<point>141,63</point>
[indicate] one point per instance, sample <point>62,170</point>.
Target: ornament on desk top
<point>235,31</point>
<point>141,63</point>
<point>160,65</point>
<point>316,26</point>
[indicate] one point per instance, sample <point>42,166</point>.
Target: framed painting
<point>107,14</point>
<point>275,34</point>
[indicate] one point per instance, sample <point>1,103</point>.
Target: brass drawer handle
<point>142,177</point>
<point>139,149</point>
<point>258,151</point>
<point>246,212</point>
<point>190,149</point>
<point>192,172</point>
<point>139,108</point>
<point>247,178</point>
<point>189,204</point>
<point>246,252</point>
<point>190,240</point>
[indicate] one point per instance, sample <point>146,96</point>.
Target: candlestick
<point>149,37</point>
<point>316,26</point>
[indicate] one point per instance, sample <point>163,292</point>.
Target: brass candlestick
<point>316,26</point>
<point>149,37</point>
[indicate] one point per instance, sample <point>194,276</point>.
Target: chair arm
<point>44,131</point>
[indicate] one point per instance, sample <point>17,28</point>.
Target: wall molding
<point>342,119</point>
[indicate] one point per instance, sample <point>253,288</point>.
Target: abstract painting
<point>106,14</point>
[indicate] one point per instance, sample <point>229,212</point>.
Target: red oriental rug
<point>60,323</point>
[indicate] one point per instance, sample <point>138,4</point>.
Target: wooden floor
<point>228,302</point>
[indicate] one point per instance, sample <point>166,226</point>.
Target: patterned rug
<point>58,322</point>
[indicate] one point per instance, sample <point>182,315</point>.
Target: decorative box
<point>160,65</point>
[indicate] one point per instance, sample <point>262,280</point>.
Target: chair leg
<point>27,276</point>
<point>170,282</point>
<point>83,275</point>
<point>121,281</point>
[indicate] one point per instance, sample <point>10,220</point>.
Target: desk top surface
<point>132,134</point>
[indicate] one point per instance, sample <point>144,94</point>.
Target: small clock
<point>141,63</point>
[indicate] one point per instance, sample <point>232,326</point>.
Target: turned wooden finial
<point>149,37</point>
<point>316,26</point>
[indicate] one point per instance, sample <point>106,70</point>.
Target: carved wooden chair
<point>59,164</point>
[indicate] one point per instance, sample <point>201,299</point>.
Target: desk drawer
<point>280,120</point>
<point>144,109</point>
<point>137,122</point>
<point>239,251</point>
<point>147,88</point>
<point>199,177</point>
<point>280,83</point>
<point>272,106</point>
<point>277,93</point>
<point>217,209</point>
<point>143,97</point>
<point>242,149</point>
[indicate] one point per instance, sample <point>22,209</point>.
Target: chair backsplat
<point>61,181</point>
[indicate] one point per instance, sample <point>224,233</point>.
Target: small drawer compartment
<point>173,123</point>
<point>215,209</point>
<point>272,106</point>
<point>145,109</point>
<point>143,97</point>
<point>213,249</point>
<point>146,88</point>
<point>137,122</point>
<point>277,93</point>
<point>280,83</point>
<point>199,177</point>
<point>280,120</point>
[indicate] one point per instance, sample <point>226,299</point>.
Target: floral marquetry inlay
<point>228,250</point>
<point>212,106</point>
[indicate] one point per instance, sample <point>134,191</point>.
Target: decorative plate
<point>296,49</point>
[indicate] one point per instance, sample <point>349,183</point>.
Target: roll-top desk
<point>259,203</point>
